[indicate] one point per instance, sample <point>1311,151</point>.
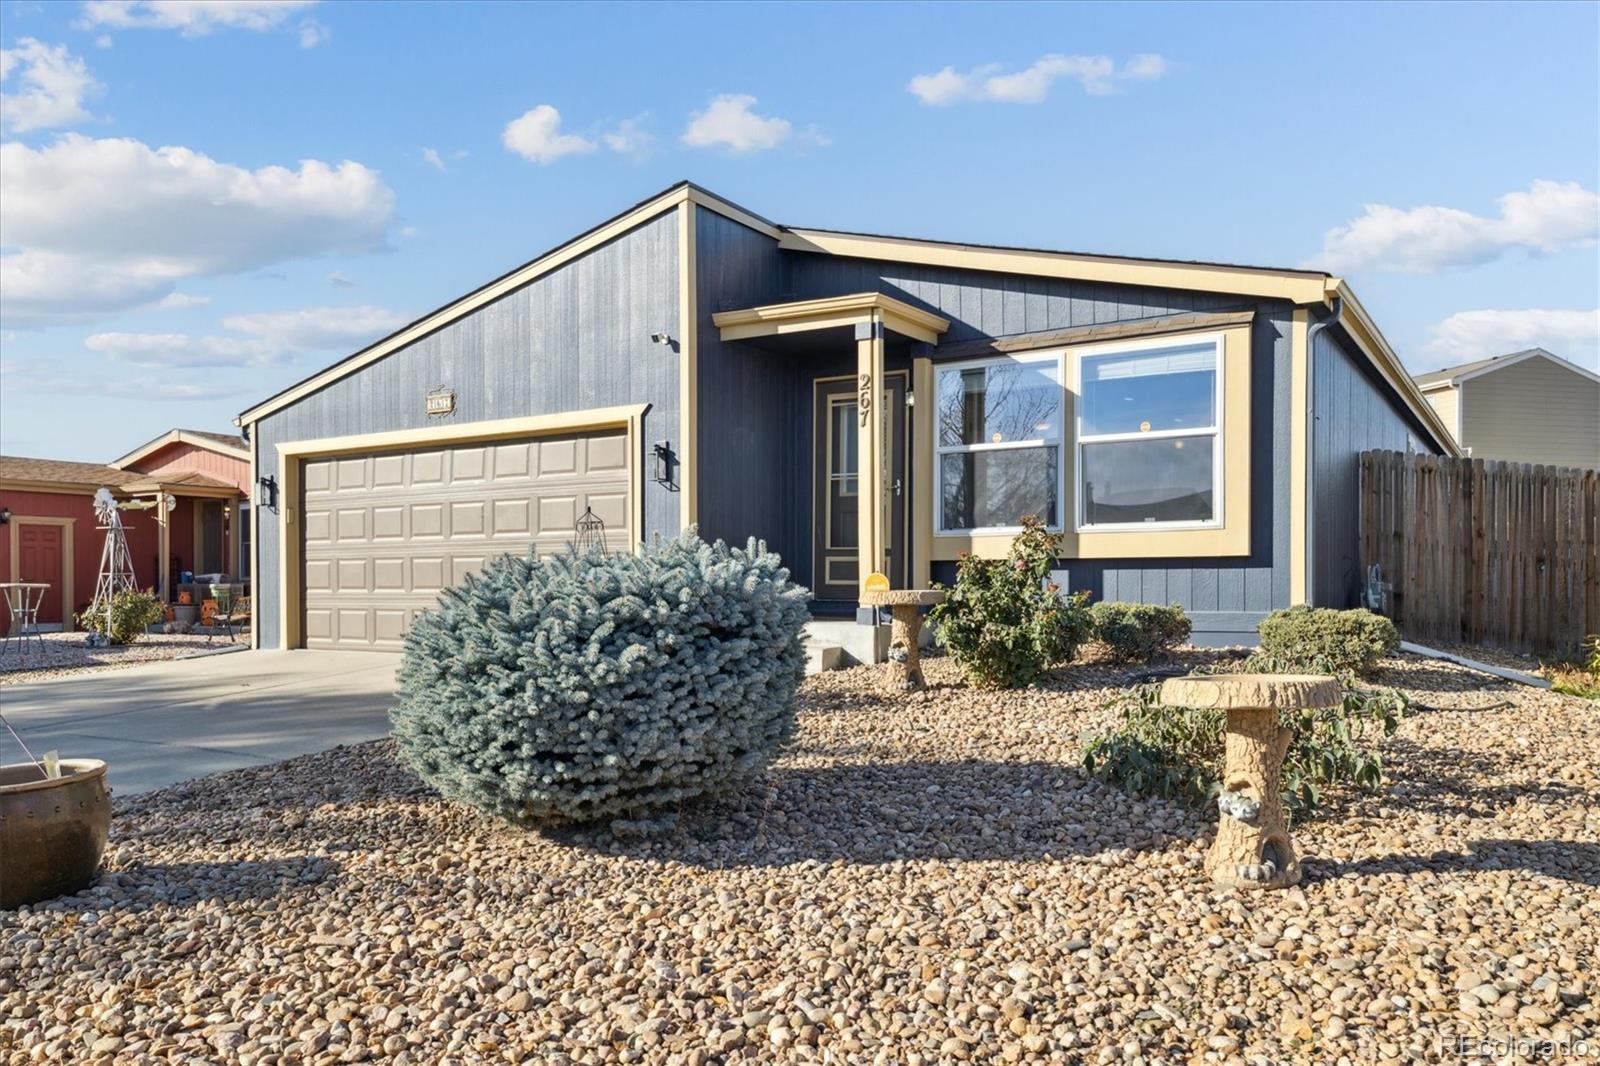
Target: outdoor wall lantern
<point>5,515</point>
<point>267,492</point>
<point>663,465</point>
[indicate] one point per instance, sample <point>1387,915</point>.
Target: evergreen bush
<point>133,612</point>
<point>1321,640</point>
<point>1005,622</point>
<point>588,686</point>
<point>1138,632</point>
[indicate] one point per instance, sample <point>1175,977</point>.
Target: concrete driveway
<point>170,721</point>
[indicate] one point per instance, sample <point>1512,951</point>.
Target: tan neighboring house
<point>1526,407</point>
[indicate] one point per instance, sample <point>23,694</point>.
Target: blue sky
<point>201,203</point>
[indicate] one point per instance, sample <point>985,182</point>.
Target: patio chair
<point>232,611</point>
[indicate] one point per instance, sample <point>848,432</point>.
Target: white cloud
<point>728,122</point>
<point>318,328</point>
<point>536,136</point>
<point>181,301</point>
<point>259,339</point>
<point>313,33</point>
<point>191,18</point>
<point>19,380</point>
<point>629,137</point>
<point>53,85</point>
<point>340,280</point>
<point>94,227</point>
<point>1097,74</point>
<point>430,156</point>
<point>1549,216</point>
<point>1469,335</point>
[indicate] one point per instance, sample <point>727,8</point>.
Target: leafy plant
<point>1579,675</point>
<point>1321,640</point>
<point>1177,752</point>
<point>587,686</point>
<point>1005,622</point>
<point>133,611</point>
<point>1138,632</point>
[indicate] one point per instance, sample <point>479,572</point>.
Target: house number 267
<point>864,399</point>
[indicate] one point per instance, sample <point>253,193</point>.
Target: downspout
<point>1315,329</point>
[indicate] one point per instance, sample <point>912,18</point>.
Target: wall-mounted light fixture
<point>663,464</point>
<point>660,337</point>
<point>267,492</point>
<point>5,515</point>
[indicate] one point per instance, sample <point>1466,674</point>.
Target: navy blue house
<point>862,403</point>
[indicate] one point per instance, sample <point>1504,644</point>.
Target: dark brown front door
<point>838,494</point>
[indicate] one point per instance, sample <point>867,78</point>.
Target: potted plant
<point>54,817</point>
<point>186,611</point>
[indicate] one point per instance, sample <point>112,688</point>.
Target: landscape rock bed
<point>921,879</point>
<point>66,655</point>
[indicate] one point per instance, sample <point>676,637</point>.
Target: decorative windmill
<point>116,564</point>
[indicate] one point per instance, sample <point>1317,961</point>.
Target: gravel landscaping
<point>66,655</point>
<point>918,880</point>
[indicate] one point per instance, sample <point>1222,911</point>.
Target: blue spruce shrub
<point>588,687</point>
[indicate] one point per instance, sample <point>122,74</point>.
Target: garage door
<point>385,533</point>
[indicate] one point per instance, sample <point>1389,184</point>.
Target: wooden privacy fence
<point>1485,552</point>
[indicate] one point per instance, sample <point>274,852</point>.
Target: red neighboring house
<point>50,532</point>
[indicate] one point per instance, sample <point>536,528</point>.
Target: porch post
<point>163,547</point>
<point>869,453</point>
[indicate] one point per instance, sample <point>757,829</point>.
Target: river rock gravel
<point>927,879</point>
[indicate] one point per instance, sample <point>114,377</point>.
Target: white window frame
<point>1217,431</point>
<point>1060,442</point>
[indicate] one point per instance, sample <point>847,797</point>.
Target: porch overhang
<point>830,312</point>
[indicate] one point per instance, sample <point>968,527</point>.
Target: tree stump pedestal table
<point>903,672</point>
<point>1252,849</point>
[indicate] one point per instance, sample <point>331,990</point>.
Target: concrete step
<point>820,657</point>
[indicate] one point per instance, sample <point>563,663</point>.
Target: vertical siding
<point>578,337</point>
<point>1354,412</point>
<point>184,458</point>
<point>1224,595</point>
<point>1536,411</point>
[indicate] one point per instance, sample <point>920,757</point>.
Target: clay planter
<point>52,833</point>
<point>1252,849</point>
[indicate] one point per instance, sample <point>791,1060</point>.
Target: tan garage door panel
<point>385,533</point>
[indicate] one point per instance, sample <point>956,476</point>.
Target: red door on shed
<point>39,559</point>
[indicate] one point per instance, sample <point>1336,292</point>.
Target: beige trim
<point>65,488</point>
<point>688,369</point>
<point>1359,325</point>
<point>1302,287</point>
<point>1096,334</point>
<point>672,199</point>
<point>869,449</point>
<point>177,436</point>
<point>856,308</point>
<point>1299,446</point>
<point>291,453</point>
<point>920,474</point>
<point>69,566</point>
<point>1231,538</point>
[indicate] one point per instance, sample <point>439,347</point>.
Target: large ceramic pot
<point>52,832</point>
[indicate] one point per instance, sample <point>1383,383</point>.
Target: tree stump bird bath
<point>904,668</point>
<point>1252,849</point>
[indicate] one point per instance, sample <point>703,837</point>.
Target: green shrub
<point>1177,752</point>
<point>1005,622</point>
<point>1324,641</point>
<point>1578,675</point>
<point>1138,632</point>
<point>587,686</point>
<point>133,611</point>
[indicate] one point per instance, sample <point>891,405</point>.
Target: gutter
<point>1312,333</point>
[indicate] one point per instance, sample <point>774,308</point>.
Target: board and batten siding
<point>1226,596</point>
<point>1353,412</point>
<point>573,339</point>
<point>1534,411</point>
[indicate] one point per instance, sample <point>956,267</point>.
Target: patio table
<point>23,600</point>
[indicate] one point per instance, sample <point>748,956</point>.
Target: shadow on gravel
<point>1449,781</point>
<point>868,813</point>
<point>1564,859</point>
<point>144,886</point>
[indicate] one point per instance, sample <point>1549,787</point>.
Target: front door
<point>837,495</point>
<point>39,560</point>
